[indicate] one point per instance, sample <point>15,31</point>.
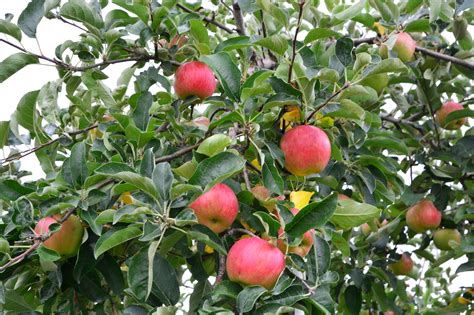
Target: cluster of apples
<point>421,217</point>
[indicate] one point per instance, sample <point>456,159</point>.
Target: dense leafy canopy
<point>129,159</point>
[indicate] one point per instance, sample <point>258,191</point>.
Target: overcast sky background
<point>52,33</point>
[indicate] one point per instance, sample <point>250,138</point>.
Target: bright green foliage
<point>129,159</point>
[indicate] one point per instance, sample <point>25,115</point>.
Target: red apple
<point>423,216</point>
<point>403,266</point>
<point>303,248</point>
<point>443,112</point>
<point>307,150</point>
<point>216,208</point>
<point>442,237</point>
<point>343,197</point>
<point>194,79</point>
<point>404,47</point>
<point>254,261</point>
<point>201,121</point>
<point>67,240</point>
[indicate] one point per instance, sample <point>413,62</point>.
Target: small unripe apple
<point>303,248</point>
<point>254,261</point>
<point>423,216</point>
<point>307,150</point>
<point>201,121</point>
<point>343,197</point>
<point>377,81</point>
<point>442,237</point>
<point>444,111</point>
<point>194,78</point>
<point>216,208</point>
<point>403,266</point>
<point>404,47</point>
<point>67,240</point>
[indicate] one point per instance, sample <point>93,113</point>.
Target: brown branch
<point>59,17</point>
<point>20,155</point>
<point>326,102</point>
<point>437,55</point>
<point>205,18</point>
<point>56,62</point>
<point>293,56</point>
<point>183,151</point>
<point>402,121</point>
<point>221,270</point>
<point>37,243</point>
<point>246,179</point>
<point>368,40</point>
<point>239,19</point>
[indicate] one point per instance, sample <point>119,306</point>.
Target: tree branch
<point>205,18</point>
<point>239,19</point>
<point>293,55</point>
<point>59,17</point>
<point>326,102</point>
<point>402,121</point>
<point>20,155</point>
<point>183,151</point>
<point>428,52</point>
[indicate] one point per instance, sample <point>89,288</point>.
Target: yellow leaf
<point>256,163</point>
<point>126,198</point>
<point>380,29</point>
<point>301,198</point>
<point>208,249</point>
<point>292,115</point>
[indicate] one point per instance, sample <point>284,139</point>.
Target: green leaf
<point>141,114</point>
<point>386,66</point>
<point>15,63</point>
<point>458,114</point>
<point>276,43</point>
<point>350,213</point>
<point>204,238</point>
<point>143,183</point>
<point>314,215</point>
<point>280,99</point>
<point>165,281</point>
<point>227,72</point>
<point>30,17</point>
<point>345,109</point>
<point>319,258</point>
<point>47,254</point>
<point>199,32</point>
<point>320,33</point>
<point>353,299</point>
<point>138,9</point>
<point>10,29</point>
<point>113,168</point>
<point>217,168</point>
<point>277,13</point>
<point>421,25</point>
<point>4,131</point>
<point>214,144</point>
<point>115,237</point>
<point>248,297</point>
<point>351,11</point>
<point>271,177</point>
<point>386,142</point>
<point>163,179</point>
<point>147,164</point>
<point>435,9</point>
<point>26,111</point>
<point>344,47</point>
<point>78,162</point>
<point>270,223</point>
<point>233,43</point>
<point>81,11</point>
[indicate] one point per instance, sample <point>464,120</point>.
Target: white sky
<point>52,33</point>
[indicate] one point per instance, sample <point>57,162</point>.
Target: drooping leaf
<point>15,63</point>
<point>115,237</point>
<point>30,17</point>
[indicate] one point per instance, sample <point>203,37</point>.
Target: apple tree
<point>253,157</point>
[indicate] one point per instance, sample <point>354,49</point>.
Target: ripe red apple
<point>403,266</point>
<point>343,197</point>
<point>254,261</point>
<point>67,240</point>
<point>307,150</point>
<point>194,79</point>
<point>423,216</point>
<point>216,208</point>
<point>442,237</point>
<point>404,47</point>
<point>201,121</point>
<point>443,112</point>
<point>303,248</point>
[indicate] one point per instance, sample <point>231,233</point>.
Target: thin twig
<point>183,151</point>
<point>205,18</point>
<point>221,270</point>
<point>246,178</point>
<point>59,17</point>
<point>326,102</point>
<point>20,155</point>
<point>293,56</point>
<point>401,121</point>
